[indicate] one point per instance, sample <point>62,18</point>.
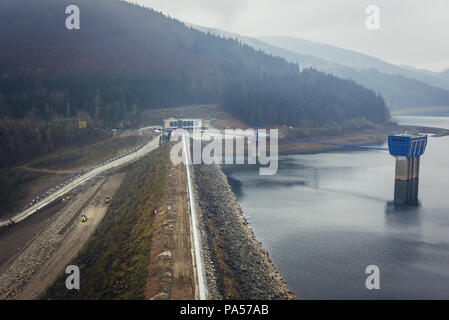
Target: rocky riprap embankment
<point>237,266</point>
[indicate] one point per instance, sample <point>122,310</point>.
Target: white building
<point>173,123</point>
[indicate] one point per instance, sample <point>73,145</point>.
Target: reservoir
<point>325,217</point>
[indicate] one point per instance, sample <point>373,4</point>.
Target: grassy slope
<point>87,155</point>
<point>13,188</point>
<point>17,184</point>
<point>114,262</point>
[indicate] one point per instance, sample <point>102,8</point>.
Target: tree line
<point>126,59</point>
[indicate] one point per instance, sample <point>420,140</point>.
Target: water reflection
<point>325,217</point>
<point>236,186</point>
<point>397,216</point>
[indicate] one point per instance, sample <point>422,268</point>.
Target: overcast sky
<point>413,32</point>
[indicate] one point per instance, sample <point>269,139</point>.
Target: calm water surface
<point>325,217</point>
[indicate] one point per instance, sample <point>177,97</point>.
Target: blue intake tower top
<point>407,145</point>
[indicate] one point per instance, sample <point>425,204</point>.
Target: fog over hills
<point>445,74</point>
<point>399,90</point>
<point>353,59</point>
<point>126,58</point>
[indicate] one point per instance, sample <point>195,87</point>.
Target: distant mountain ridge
<point>353,59</point>
<point>398,90</point>
<point>445,74</point>
<point>414,69</point>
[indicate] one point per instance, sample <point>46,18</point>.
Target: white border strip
<point>196,236</point>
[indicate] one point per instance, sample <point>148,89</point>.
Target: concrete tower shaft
<point>407,149</point>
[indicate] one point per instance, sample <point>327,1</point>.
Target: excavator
<point>83,218</point>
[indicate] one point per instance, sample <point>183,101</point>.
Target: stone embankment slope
<point>237,266</point>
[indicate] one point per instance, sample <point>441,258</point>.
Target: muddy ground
<point>36,251</point>
<point>171,273</point>
<point>30,182</point>
<point>76,235</point>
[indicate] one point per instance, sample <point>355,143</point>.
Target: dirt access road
<point>44,244</point>
<point>77,236</point>
<point>171,273</point>
<point>150,146</point>
<point>183,280</point>
<point>36,251</point>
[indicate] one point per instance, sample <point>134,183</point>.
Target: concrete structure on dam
<point>407,149</point>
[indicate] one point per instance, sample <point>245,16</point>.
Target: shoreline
<point>237,265</point>
<point>363,137</point>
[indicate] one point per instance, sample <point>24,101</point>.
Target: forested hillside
<point>126,59</point>
<point>400,86</point>
<point>123,59</point>
<point>307,99</point>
